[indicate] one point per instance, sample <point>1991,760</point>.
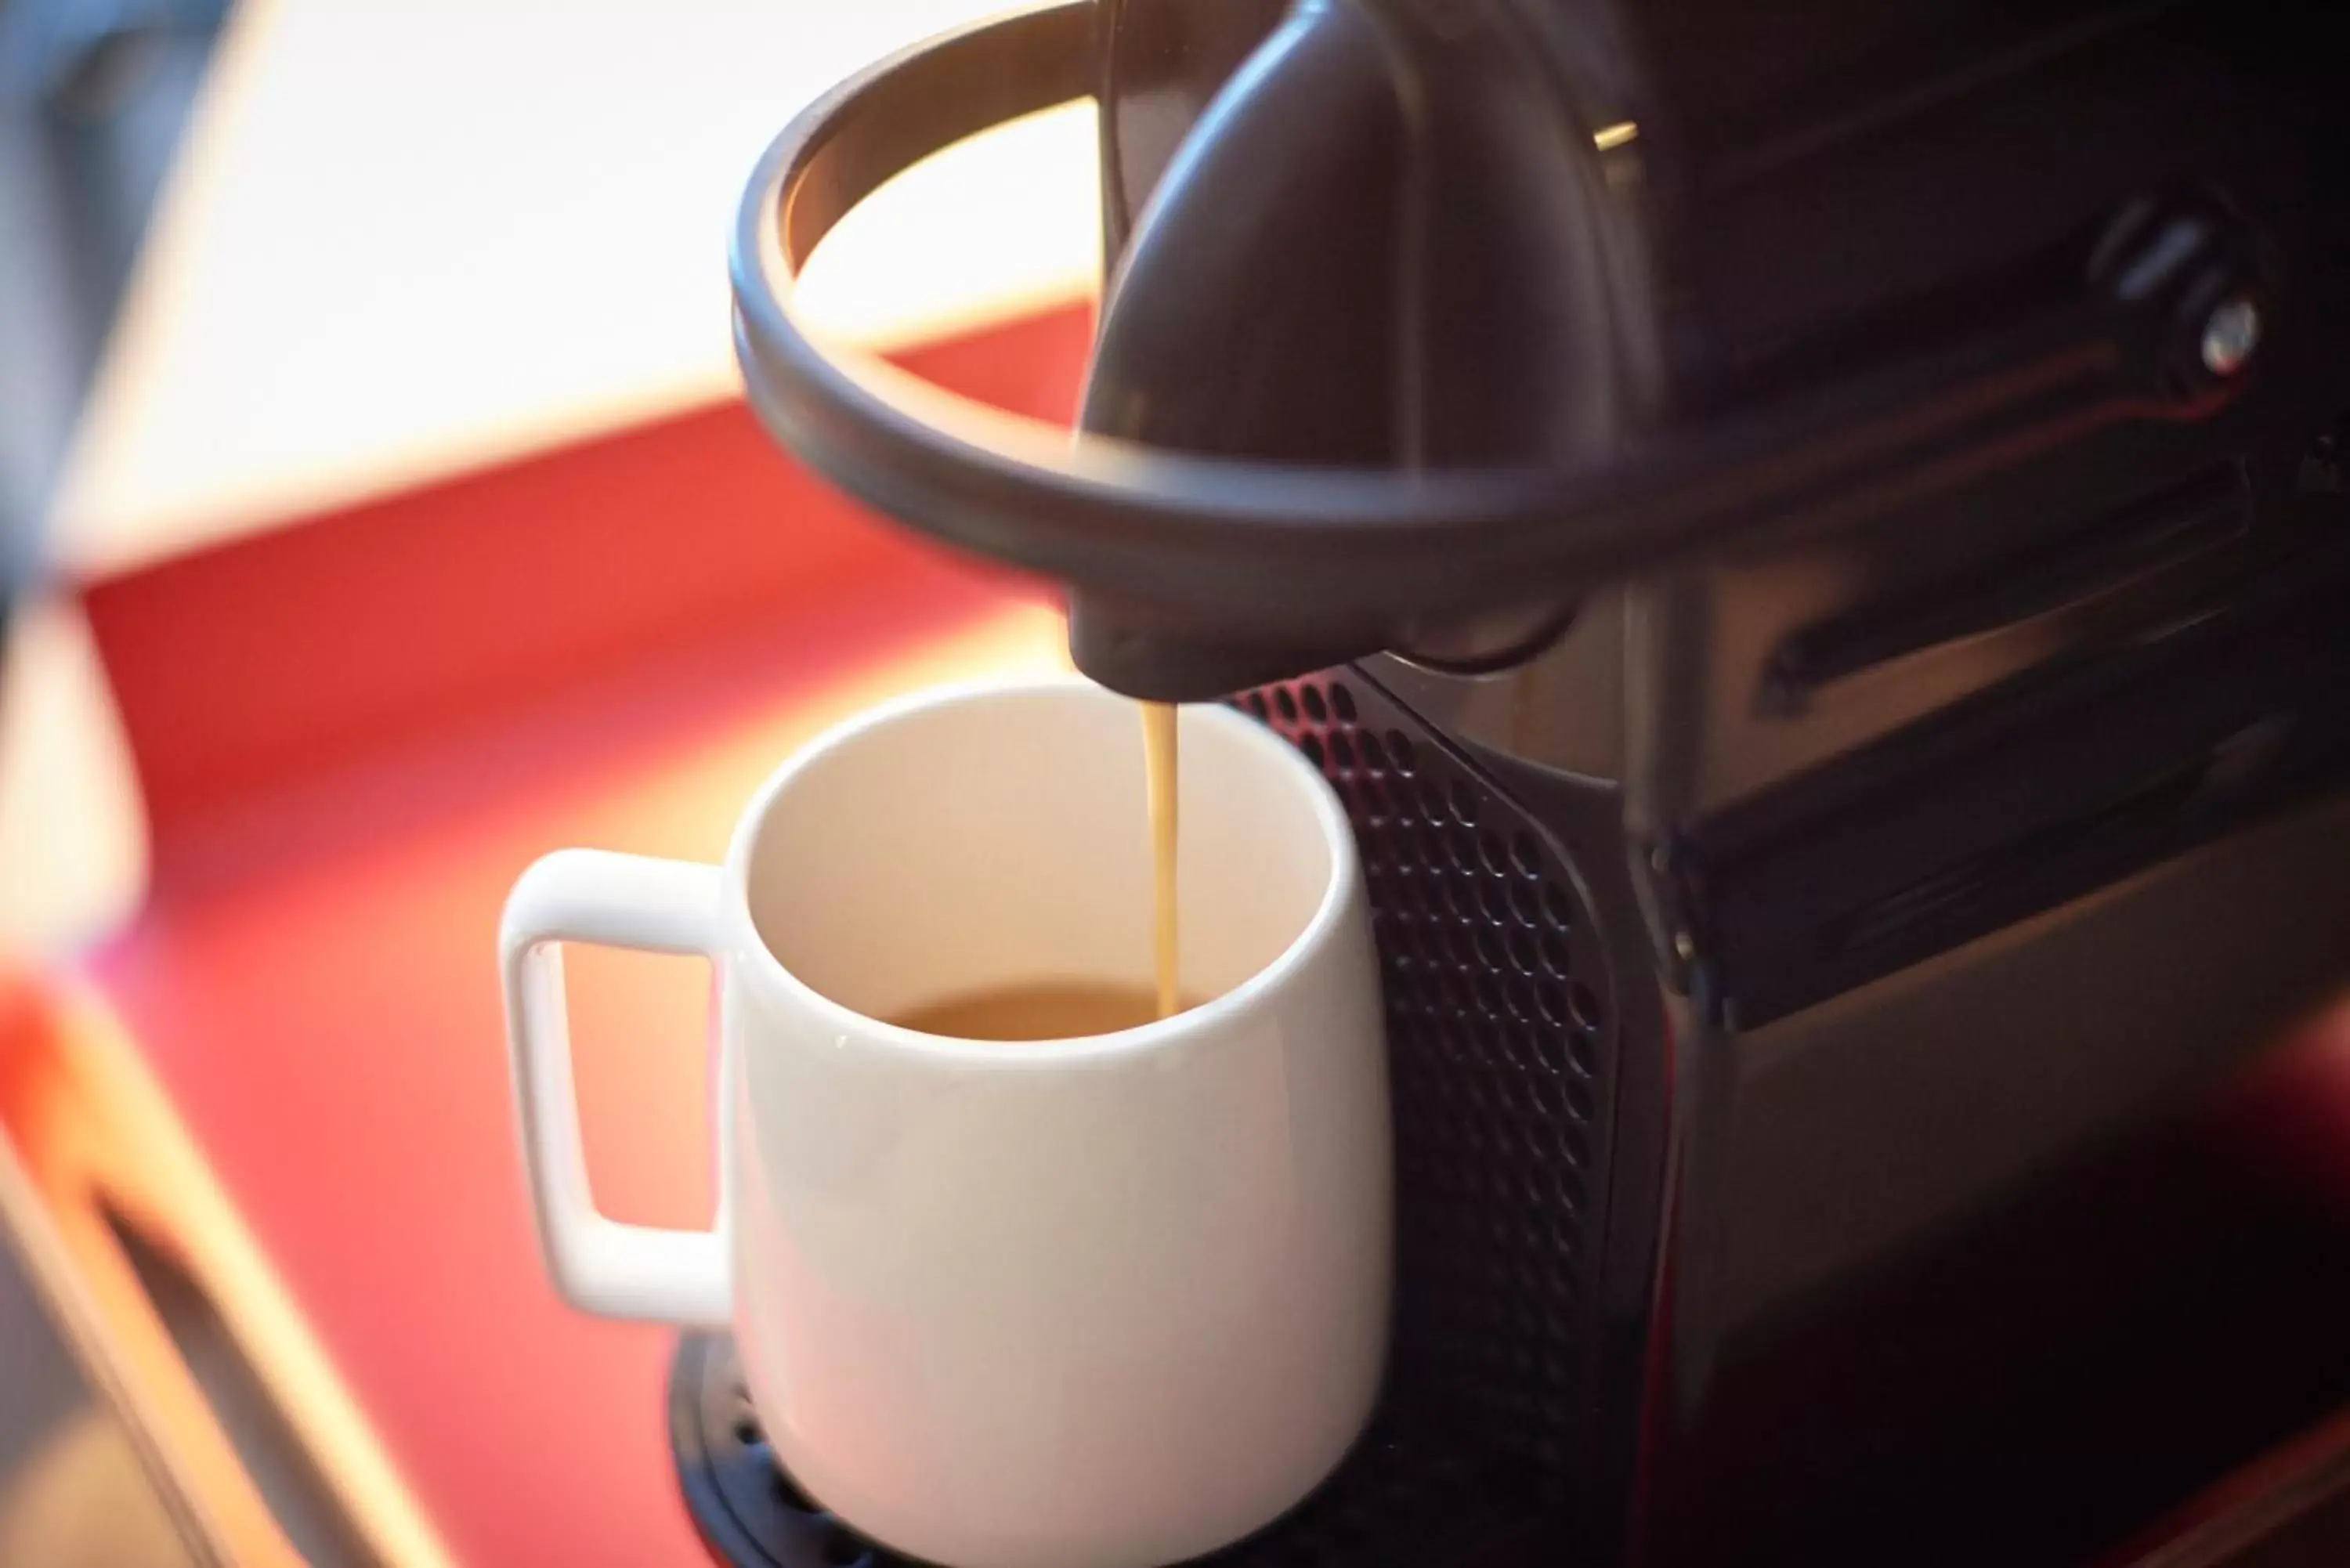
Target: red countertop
<point>352,736</point>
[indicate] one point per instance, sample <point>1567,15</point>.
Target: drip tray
<point>1395,1503</point>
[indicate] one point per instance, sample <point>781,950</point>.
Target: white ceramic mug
<point>1098,1302</point>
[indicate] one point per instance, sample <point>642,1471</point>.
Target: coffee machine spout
<point>1148,654</point>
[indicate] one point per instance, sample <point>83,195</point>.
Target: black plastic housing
<point>1966,850</point>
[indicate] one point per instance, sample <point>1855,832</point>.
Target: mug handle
<point>600,1265</point>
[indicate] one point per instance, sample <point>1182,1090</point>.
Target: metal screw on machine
<point>2230,335</point>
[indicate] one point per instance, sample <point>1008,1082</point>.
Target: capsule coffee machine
<point>1811,541</point>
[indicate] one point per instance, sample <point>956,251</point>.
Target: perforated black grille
<point>1500,1034</point>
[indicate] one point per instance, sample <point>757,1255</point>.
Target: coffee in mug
<point>1041,1009</point>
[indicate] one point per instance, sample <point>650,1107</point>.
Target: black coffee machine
<point>1811,541</point>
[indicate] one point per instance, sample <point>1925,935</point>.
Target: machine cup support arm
<point>2157,318</point>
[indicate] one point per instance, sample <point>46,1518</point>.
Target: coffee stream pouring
<point>1814,546</point>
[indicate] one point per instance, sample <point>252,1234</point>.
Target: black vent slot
<point>2020,799</point>
<point>2117,571</point>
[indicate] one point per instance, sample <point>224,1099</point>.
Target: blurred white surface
<point>406,238</point>
<point>73,832</point>
<point>409,237</point>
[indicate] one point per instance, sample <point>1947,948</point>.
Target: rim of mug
<point>1337,892</point>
